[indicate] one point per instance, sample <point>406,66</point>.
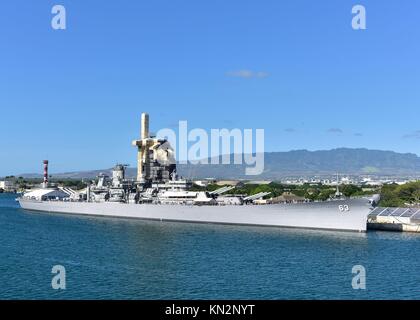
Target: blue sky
<point>75,96</point>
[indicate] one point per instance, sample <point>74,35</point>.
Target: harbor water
<point>109,258</point>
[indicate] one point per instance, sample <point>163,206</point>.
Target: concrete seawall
<point>397,227</point>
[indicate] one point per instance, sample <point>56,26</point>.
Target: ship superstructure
<point>155,157</point>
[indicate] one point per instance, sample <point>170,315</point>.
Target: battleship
<point>158,193</point>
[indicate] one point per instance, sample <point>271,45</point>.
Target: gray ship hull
<point>324,215</point>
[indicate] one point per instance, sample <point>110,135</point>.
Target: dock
<point>395,219</point>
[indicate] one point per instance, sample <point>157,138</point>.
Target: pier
<point>395,219</point>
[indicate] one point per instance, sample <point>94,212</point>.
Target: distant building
<point>263,201</point>
<point>259,182</point>
<point>233,183</point>
<point>346,180</point>
<point>205,182</point>
<point>6,185</point>
<point>288,197</point>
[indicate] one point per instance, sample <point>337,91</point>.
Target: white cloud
<point>247,74</point>
<point>413,135</point>
<point>335,130</point>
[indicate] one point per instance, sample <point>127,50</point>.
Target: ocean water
<point>108,258</point>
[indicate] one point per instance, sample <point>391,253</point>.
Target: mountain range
<point>293,163</point>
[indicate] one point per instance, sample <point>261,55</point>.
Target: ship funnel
<point>144,126</point>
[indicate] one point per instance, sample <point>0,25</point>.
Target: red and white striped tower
<point>45,173</point>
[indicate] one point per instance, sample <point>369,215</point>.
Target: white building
<point>204,183</point>
<point>7,185</point>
